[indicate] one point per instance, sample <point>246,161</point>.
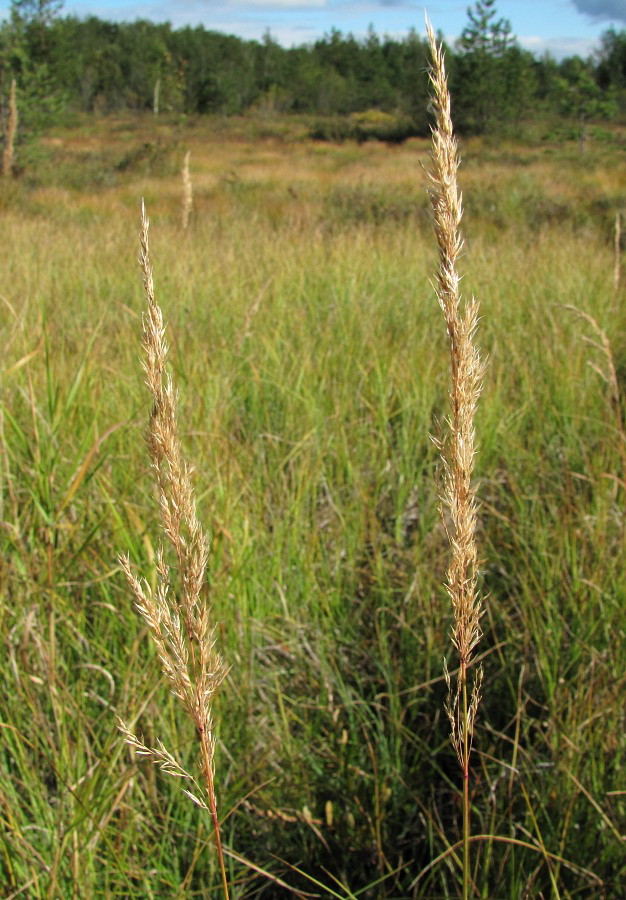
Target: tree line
<point>91,65</point>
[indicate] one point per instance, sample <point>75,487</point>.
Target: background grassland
<point>309,355</point>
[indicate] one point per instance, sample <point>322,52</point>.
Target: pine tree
<point>481,76</point>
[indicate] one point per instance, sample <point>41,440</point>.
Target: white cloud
<point>285,35</point>
<point>199,5</point>
<point>276,4</point>
<point>559,47</point>
<point>230,16</point>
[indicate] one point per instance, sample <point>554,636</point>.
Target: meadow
<point>311,362</point>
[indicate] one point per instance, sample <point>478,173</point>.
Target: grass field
<point>312,368</point>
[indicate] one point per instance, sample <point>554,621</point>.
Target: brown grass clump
<point>178,620</point>
<point>8,152</point>
<point>458,495</point>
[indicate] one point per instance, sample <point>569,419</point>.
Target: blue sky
<point>562,27</point>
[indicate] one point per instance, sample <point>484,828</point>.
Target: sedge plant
<point>457,449</point>
<point>177,616</point>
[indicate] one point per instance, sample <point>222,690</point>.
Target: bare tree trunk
<point>157,92</point>
<point>582,133</point>
<point>9,139</point>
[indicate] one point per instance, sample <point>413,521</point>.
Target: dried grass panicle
<point>187,192</point>
<point>458,495</point>
<point>617,252</point>
<point>608,373</point>
<point>177,616</point>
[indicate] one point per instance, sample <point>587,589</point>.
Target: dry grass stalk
<point>608,374</point>
<point>178,620</point>
<point>458,495</point>
<point>246,331</point>
<point>618,256</point>
<point>8,152</point>
<point>187,191</point>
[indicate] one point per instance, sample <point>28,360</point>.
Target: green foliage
<point>311,364</point>
<point>579,95</point>
<point>371,124</point>
<point>91,65</point>
<point>24,56</point>
<point>492,79</point>
<point>611,67</point>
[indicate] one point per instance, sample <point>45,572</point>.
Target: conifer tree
<point>481,83</point>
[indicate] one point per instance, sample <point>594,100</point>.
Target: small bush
<point>369,125</point>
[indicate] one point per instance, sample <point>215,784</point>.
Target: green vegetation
<point>64,65</point>
<point>312,368</point>
<point>311,362</point>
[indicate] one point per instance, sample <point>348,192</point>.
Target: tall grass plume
<point>177,617</point>
<point>458,448</point>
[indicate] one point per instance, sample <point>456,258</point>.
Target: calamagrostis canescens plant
<point>458,495</point>
<point>177,615</point>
